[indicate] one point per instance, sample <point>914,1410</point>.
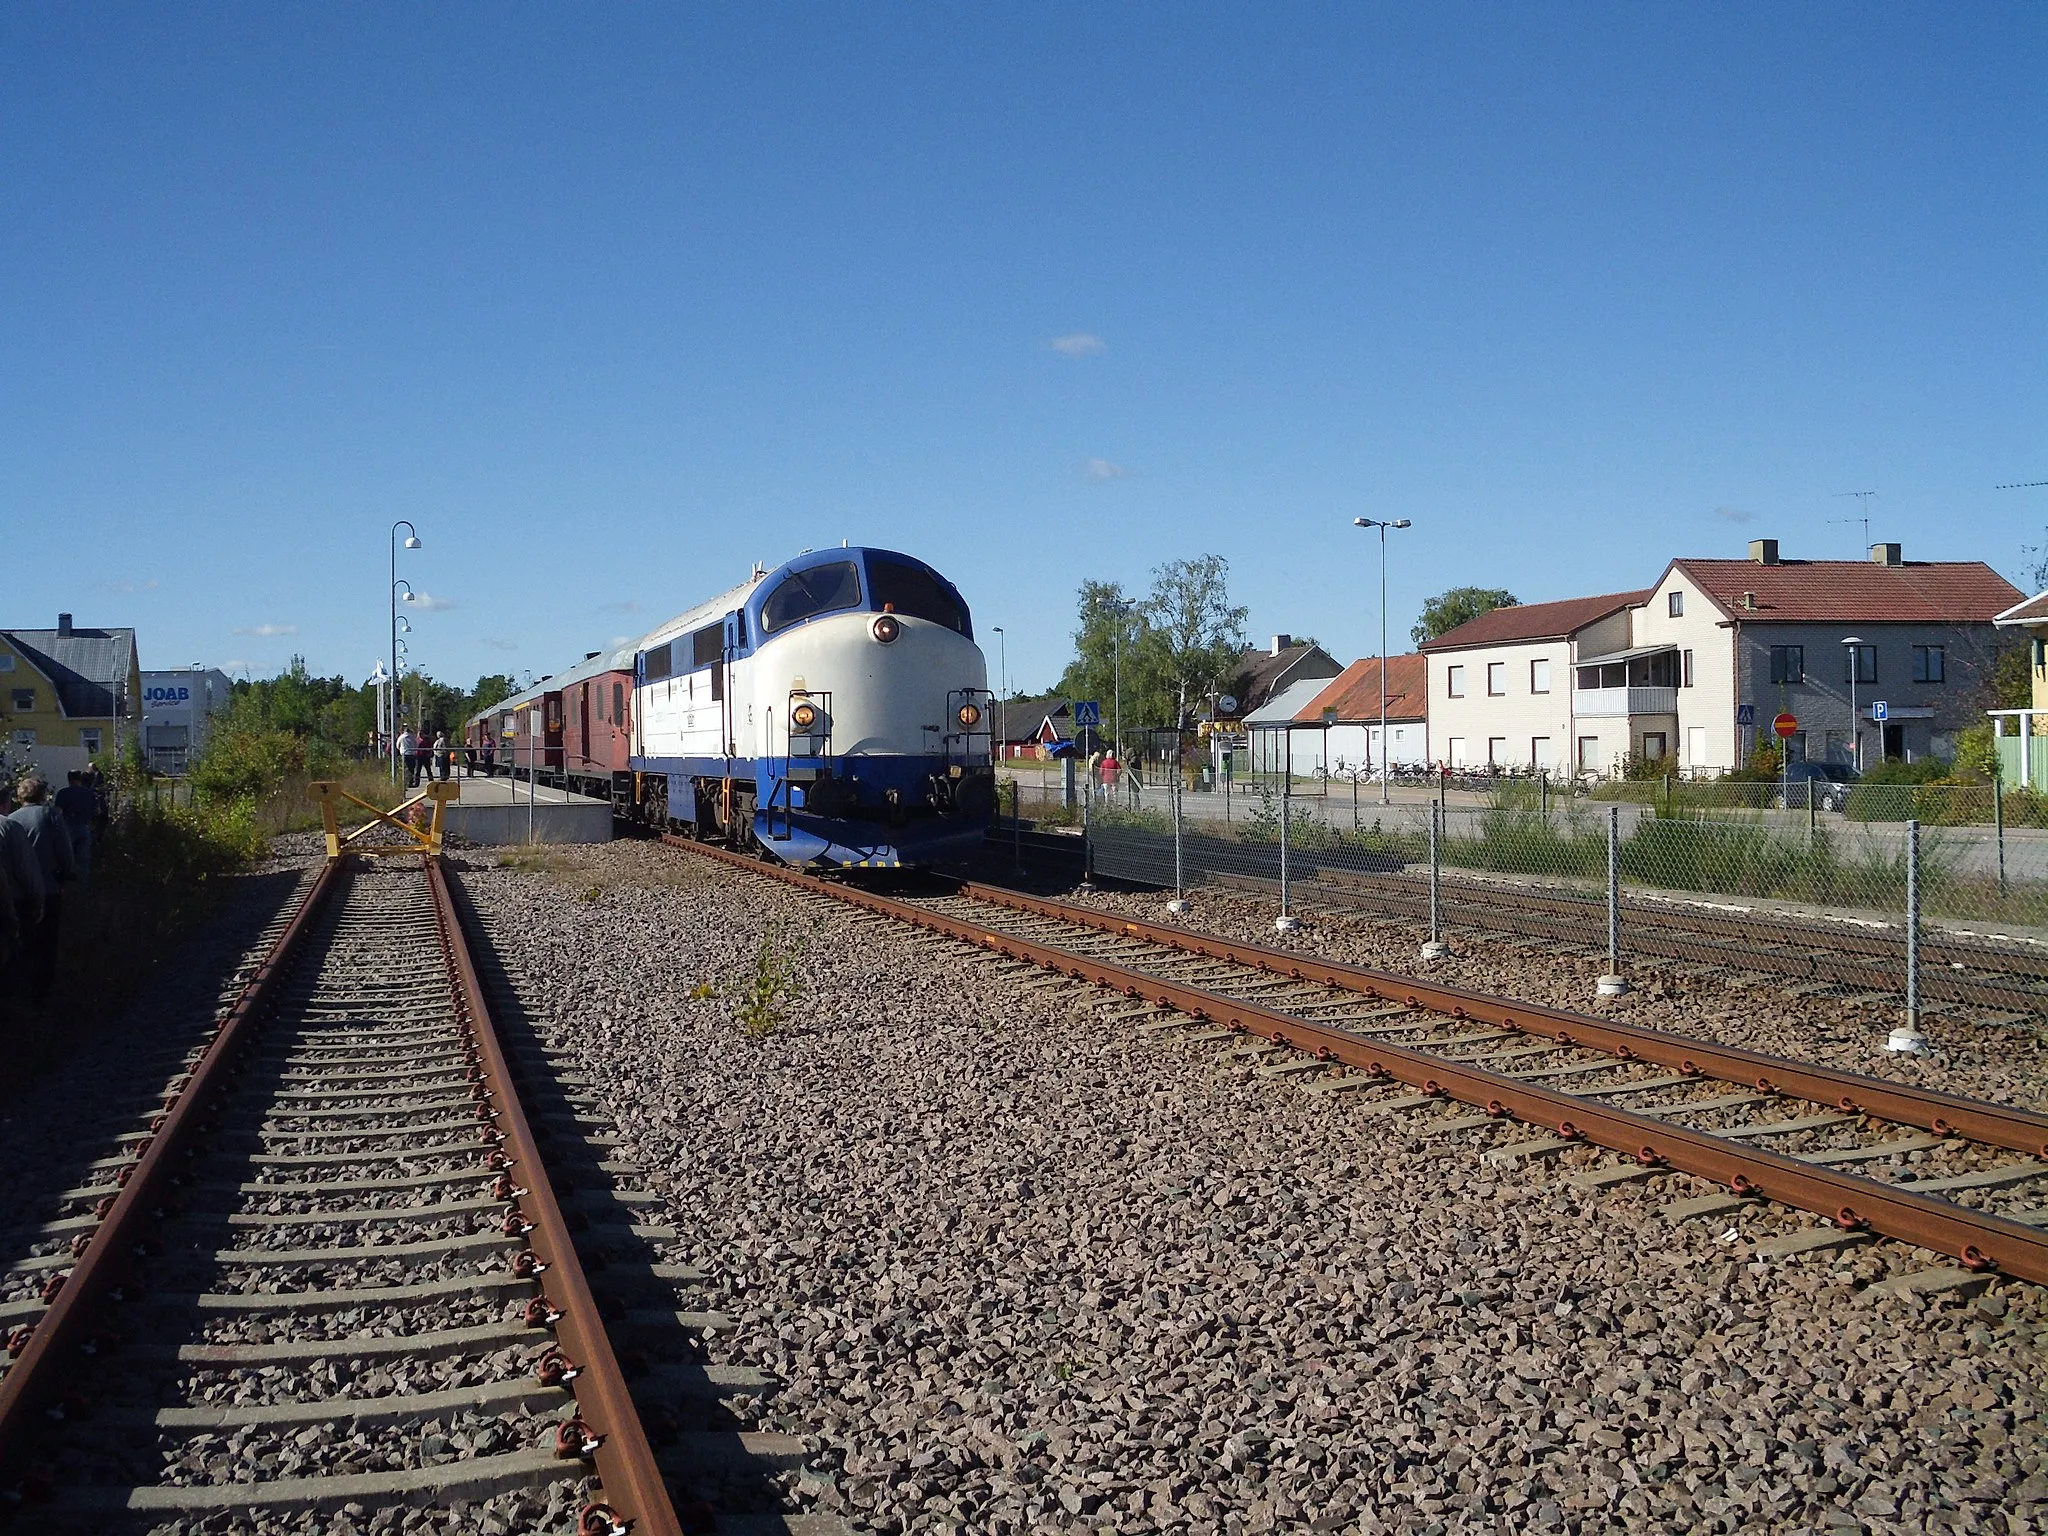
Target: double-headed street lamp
<point>1002,687</point>
<point>1373,522</point>
<point>412,541</point>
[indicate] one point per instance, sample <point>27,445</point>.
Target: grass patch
<point>761,1002</point>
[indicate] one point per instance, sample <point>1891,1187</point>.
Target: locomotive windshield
<point>806,594</point>
<point>915,593</point>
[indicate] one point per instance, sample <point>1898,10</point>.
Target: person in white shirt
<point>408,753</point>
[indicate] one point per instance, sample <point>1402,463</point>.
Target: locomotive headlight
<point>887,629</point>
<point>970,715</point>
<point>804,715</point>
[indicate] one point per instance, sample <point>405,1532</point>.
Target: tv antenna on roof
<point>2020,485</point>
<point>1863,518</point>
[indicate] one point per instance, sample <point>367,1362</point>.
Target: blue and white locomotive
<point>832,712</point>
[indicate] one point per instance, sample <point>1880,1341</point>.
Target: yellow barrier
<point>427,842</point>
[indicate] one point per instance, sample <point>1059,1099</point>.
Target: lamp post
<point>1002,685</point>
<point>412,541</point>
<point>1383,526</point>
<point>1851,644</point>
<point>1120,610</point>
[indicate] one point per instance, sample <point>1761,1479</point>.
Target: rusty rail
<point>1999,1125</point>
<point>1976,1238</point>
<point>634,1488</point>
<point>43,1368</point>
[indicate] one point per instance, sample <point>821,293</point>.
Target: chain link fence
<point>1805,886</point>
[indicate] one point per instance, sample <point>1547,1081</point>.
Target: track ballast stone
<point>1019,1270</point>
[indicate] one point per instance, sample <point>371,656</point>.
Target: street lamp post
<point>1373,522</point>
<point>1002,685</point>
<point>1852,645</point>
<point>1120,611</point>
<point>412,541</point>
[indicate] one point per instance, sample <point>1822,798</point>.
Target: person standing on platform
<point>442,756</point>
<point>49,840</point>
<point>408,753</point>
<point>490,755</point>
<point>80,807</point>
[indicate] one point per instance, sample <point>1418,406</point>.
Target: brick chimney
<point>1887,554</point>
<point>63,624</point>
<point>1764,551</point>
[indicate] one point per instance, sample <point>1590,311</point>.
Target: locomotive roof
<point>736,597</point>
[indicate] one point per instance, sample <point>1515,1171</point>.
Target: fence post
<point>1613,984</point>
<point>1907,1037</point>
<point>1436,948</point>
<point>1812,813</point>
<point>1017,824</point>
<point>1543,791</point>
<point>1286,922</point>
<point>1998,819</point>
<point>1179,905</point>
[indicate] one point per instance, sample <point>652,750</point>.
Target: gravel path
<point>1021,1271</point>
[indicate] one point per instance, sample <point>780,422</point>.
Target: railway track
<point>333,1275</point>
<point>1996,983</point>
<point>1872,1158</point>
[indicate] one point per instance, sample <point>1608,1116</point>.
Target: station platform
<point>498,811</point>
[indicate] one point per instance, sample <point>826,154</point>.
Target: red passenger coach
<point>585,728</point>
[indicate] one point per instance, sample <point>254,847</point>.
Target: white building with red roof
<point>1888,655</point>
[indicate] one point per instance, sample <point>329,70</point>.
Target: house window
<point>1675,605</point>
<point>1454,682</point>
<point>1496,678</point>
<point>1589,754</point>
<point>1496,751</point>
<point>1788,663</point>
<point>24,700</point>
<point>1456,748</point>
<point>1859,663</point>
<point>1539,677</point>
<point>1654,745</point>
<point>1929,664</point>
<point>1685,672</point>
<point>90,740</point>
<point>1539,752</point>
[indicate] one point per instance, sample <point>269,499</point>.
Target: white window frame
<point>1674,604</point>
<point>1496,672</point>
<point>1454,681</point>
<point>1539,675</point>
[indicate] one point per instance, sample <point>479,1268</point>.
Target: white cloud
<point>1734,515</point>
<point>1103,469</point>
<point>1078,344</point>
<point>500,645</point>
<point>267,631</point>
<point>237,665</point>
<point>428,603</point>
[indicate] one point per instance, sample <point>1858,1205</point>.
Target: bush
<point>248,765</point>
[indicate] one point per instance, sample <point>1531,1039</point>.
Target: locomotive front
<point>872,713</point>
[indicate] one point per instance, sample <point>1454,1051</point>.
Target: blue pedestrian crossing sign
<point>1745,714</point>
<point>1880,711</point>
<point>1087,713</point>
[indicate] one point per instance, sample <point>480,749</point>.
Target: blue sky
<point>613,301</point>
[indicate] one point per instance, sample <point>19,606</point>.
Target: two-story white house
<point>1501,685</point>
<point>1696,668</point>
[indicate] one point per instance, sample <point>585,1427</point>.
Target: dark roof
<point>1023,718</point>
<point>1355,694</point>
<point>1855,591</point>
<point>84,666</point>
<point>1261,673</point>
<point>1535,621</point>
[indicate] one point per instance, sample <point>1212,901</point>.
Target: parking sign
<point>1880,711</point>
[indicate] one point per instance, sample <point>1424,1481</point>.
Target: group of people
<point>46,844</point>
<point>422,757</point>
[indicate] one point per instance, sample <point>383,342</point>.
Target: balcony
<point>1589,703</point>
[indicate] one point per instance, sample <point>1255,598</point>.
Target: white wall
<point>1708,706</point>
<point>1518,716</point>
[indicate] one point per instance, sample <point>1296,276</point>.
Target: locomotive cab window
<point>806,594</point>
<point>707,646</point>
<point>654,665</point>
<point>915,594</point>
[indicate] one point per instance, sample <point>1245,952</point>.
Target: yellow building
<point>2023,733</point>
<point>67,695</point>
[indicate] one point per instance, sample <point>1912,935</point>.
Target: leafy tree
<point>1193,631</point>
<point>491,688</point>
<point>1447,610</point>
<point>1107,613</point>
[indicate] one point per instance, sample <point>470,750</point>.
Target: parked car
<point>1827,783</point>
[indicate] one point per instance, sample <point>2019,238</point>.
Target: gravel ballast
<point>1018,1269</point>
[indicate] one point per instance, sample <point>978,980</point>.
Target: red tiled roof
<point>1355,693</point>
<point>1535,621</point>
<point>1856,591</point>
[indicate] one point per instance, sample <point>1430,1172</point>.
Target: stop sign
<point>1785,726</point>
